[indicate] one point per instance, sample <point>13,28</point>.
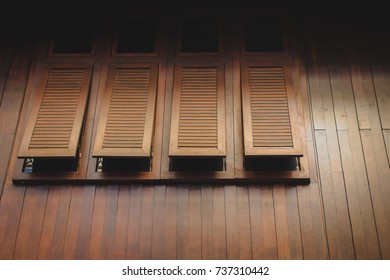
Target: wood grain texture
<point>343,214</point>
<point>30,224</point>
<point>78,230</point>
<point>51,245</point>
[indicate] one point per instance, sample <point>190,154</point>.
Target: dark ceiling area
<point>23,22</point>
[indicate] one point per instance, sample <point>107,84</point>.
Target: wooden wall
<point>343,214</point>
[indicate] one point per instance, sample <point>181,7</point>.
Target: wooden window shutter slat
<point>269,112</point>
<point>56,119</point>
<point>198,111</point>
<point>127,117</point>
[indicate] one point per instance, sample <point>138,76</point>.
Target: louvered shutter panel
<point>198,111</point>
<point>269,118</point>
<point>127,118</point>
<point>55,123</point>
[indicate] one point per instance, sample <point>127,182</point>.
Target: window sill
<point>253,177</point>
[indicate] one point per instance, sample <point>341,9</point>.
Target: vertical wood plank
<point>79,223</point>
<point>378,177</point>
<point>146,225</point>
<point>294,223</point>
<point>244,224</point>
<point>182,225</point>
<point>256,223</point>
<point>11,102</point>
<point>158,237</point>
<point>341,88</point>
<point>263,228</point>
<point>171,207</point>
<point>311,215</point>
<point>338,226</point>
<point>5,62</point>
<point>133,237</point>
<point>121,225</point>
<point>195,224</point>
<point>359,197</point>
<point>319,86</point>
<point>357,190</point>
<point>232,231</point>
<point>51,245</point>
<point>207,221</point>
<point>219,222</point>
<point>364,92</point>
<point>11,204</point>
<point>386,136</point>
<point>281,223</point>
<point>31,221</point>
<point>103,222</point>
<point>381,78</point>
<point>287,223</point>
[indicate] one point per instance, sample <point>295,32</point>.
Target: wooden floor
<point>343,214</point>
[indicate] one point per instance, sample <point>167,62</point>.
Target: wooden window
<point>198,111</point>
<point>55,123</point>
<point>125,130</point>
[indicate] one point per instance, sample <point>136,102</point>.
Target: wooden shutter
<point>56,119</point>
<point>269,111</point>
<point>198,111</point>
<point>127,117</point>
